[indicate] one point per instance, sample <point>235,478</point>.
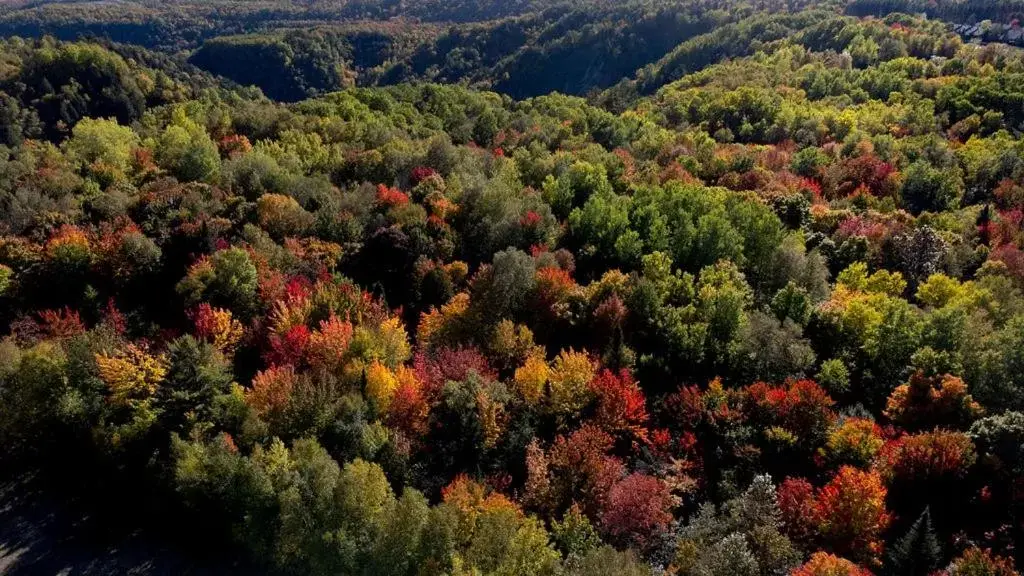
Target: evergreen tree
<point>918,552</point>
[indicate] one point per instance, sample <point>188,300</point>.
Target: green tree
<point>834,376</point>
<point>573,187</point>
<point>308,513</point>
<point>103,141</point>
<point>607,561</point>
<point>196,374</point>
<point>500,290</point>
<point>929,189</point>
<point>574,535</point>
<point>792,302</point>
<point>769,350</point>
<point>227,279</point>
<point>722,298</point>
<point>918,552</point>
<point>396,550</point>
<point>185,148</point>
<point>600,233</point>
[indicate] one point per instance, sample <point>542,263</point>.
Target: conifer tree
<point>918,552</point>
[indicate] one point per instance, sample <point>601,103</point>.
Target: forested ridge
<point>748,304</point>
<point>294,51</point>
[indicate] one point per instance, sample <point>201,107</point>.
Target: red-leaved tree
<point>636,509</point>
<point>847,515</point>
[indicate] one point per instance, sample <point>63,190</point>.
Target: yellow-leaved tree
<point>571,372</point>
<point>132,375</point>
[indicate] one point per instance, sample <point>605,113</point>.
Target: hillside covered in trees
<point>696,288</point>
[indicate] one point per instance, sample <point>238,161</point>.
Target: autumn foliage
<point>621,405</point>
<point>637,508</point>
<point>848,514</point>
<point>825,564</point>
<point>217,326</point>
<point>925,402</point>
<point>743,297</point>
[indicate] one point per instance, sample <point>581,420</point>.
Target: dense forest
<point>295,51</point>
<point>696,288</point>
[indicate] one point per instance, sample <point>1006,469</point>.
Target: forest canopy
<point>697,288</point>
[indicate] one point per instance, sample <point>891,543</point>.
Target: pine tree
<point>918,552</point>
